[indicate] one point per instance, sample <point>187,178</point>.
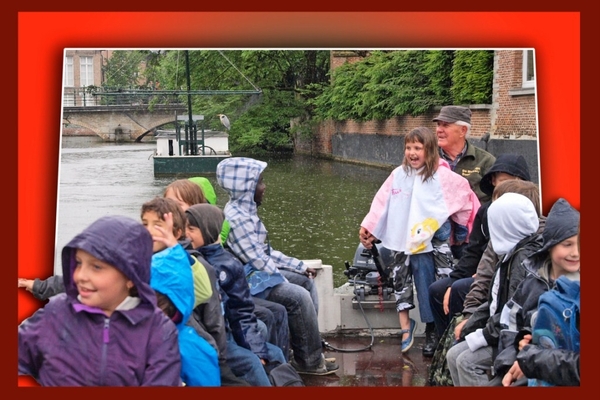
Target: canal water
<point>312,207</point>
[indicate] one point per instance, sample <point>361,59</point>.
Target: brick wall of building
<point>397,126</point>
<point>511,116</point>
<point>514,112</point>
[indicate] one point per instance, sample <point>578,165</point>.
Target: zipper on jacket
<point>105,332</point>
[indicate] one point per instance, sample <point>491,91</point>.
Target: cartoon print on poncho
<point>421,234</point>
<point>404,202</point>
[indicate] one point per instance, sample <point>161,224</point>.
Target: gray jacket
<point>44,289</point>
<point>478,293</point>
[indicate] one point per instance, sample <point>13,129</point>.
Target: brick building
<point>511,119</point>
<point>82,68</point>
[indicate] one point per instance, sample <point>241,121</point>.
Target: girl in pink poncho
<point>414,202</point>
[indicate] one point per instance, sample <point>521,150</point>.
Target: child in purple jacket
<point>106,329</point>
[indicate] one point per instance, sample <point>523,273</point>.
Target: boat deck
<point>381,366</point>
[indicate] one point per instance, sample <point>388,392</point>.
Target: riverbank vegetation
<point>297,85</point>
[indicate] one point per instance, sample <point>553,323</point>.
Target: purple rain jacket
<point>66,343</point>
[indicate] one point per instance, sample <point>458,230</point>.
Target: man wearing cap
<point>467,160</point>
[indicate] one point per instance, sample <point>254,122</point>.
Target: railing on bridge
<point>93,96</point>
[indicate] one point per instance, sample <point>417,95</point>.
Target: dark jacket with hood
<point>235,294</point>
<point>67,343</point>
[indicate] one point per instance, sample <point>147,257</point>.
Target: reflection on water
<point>312,207</point>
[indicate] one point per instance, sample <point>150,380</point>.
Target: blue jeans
<point>246,365</point>
<point>443,232</point>
<point>305,337</point>
<point>275,317</point>
<point>304,281</point>
<point>423,269</point>
<point>458,292</point>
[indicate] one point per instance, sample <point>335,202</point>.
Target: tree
<point>257,122</point>
<point>386,84</point>
<point>123,69</point>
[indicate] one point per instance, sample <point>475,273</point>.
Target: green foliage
<point>258,122</point>
<point>123,69</point>
<point>268,125</point>
<point>404,82</point>
<point>298,85</point>
<point>438,67</point>
<point>472,75</point>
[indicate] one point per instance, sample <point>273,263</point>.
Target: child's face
<point>414,152</point>
<point>500,177</point>
<point>565,257</point>
<point>193,233</point>
<point>171,194</point>
<point>259,192</point>
<point>99,284</point>
<point>151,220</point>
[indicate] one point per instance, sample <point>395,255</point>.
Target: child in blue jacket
<point>172,279</point>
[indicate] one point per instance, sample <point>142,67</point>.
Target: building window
<point>528,69</point>
<point>86,74</point>
<point>69,76</point>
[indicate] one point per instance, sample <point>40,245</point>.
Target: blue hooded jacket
<point>67,343</point>
<point>238,304</point>
<point>199,360</point>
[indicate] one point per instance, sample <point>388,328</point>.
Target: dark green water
<point>312,207</point>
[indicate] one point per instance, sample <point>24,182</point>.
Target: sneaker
<point>408,342</point>
<point>324,368</point>
<point>431,342</point>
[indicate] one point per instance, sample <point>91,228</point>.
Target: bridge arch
<point>122,123</point>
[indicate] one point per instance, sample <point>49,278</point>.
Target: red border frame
<point>558,37</point>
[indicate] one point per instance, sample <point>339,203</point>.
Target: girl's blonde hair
<point>428,139</point>
<point>189,192</point>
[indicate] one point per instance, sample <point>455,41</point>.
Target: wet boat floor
<point>382,365</point>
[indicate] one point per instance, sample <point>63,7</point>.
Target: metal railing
<point>93,96</point>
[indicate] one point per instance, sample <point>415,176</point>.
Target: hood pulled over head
<point>172,276</point>
<point>119,241</point>
<point>238,176</point>
<point>208,219</point>
<point>511,218</point>
<point>512,164</point>
<point>562,223</point>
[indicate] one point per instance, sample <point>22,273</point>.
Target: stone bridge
<point>122,123</point>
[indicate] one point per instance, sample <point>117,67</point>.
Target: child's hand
<point>513,374</point>
<point>458,329</point>
<point>166,234</point>
<point>366,238</point>
<point>311,272</point>
<point>26,283</point>
<point>524,342</point>
<point>447,301</point>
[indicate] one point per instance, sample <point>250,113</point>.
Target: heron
<point>224,120</point>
